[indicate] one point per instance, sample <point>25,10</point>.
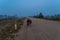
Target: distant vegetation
<point>7,29</point>
<point>40,15</point>
<point>54,17</point>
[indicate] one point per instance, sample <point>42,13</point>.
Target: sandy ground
<point>39,30</point>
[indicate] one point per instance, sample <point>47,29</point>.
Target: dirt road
<point>40,30</point>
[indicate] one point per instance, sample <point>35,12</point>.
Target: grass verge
<point>7,31</point>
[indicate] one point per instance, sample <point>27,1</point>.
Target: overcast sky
<point>29,7</point>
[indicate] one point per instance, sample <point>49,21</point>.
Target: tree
<point>40,15</point>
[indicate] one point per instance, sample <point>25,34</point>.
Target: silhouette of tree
<point>40,15</point>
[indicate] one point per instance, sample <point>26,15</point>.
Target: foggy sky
<point>29,7</point>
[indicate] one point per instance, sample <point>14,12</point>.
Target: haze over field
<point>29,7</point>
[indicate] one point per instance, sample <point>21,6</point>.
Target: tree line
<point>55,17</point>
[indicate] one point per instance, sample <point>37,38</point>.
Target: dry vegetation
<point>7,28</point>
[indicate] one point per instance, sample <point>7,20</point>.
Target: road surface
<point>40,30</point>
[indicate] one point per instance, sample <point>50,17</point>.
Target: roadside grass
<point>7,29</point>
